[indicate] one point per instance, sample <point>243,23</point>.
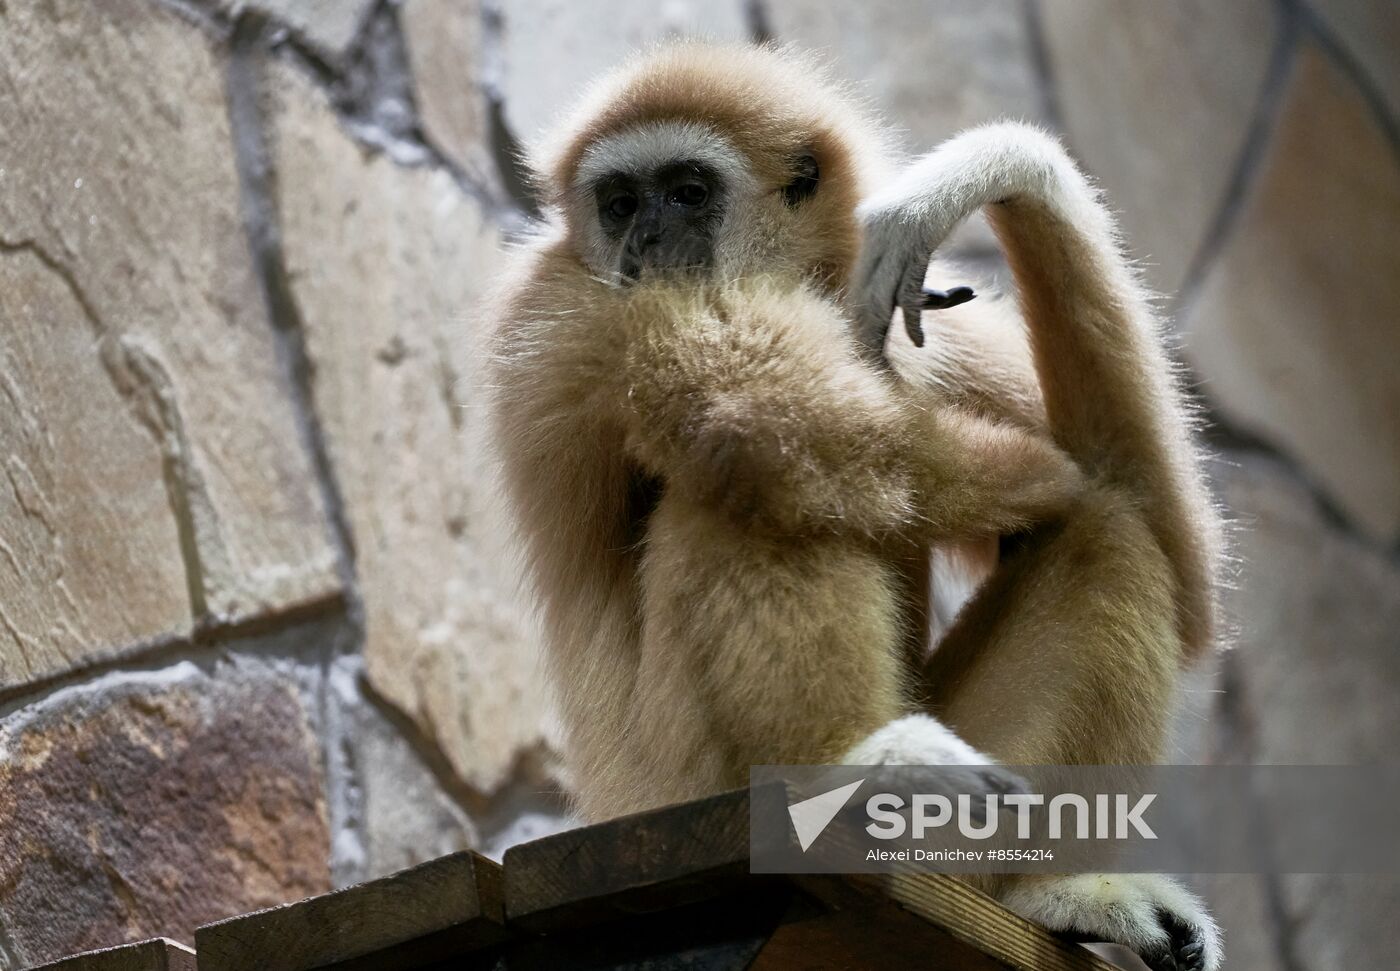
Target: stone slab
<point>1294,332</point>
<point>119,206</point>
<point>149,803</point>
<point>1157,100</point>
<point>388,266</point>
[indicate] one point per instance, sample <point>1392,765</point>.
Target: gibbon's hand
<point>893,263</point>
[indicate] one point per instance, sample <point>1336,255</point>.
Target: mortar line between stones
<point>257,186</point>
<point>505,148</point>
<point>1234,718</point>
<point>759,24</point>
<point>1342,56</point>
<point>250,134</point>
<point>1263,122</point>
<point>381,32</point>
<point>330,76</point>
<point>166,649</point>
<point>1042,65</point>
<point>1229,442</point>
<point>474,802</point>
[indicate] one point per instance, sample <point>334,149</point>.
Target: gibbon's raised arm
<point>1110,399</point>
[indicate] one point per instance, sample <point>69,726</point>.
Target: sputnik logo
<point>811,816</point>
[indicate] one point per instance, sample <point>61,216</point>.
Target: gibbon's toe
<point>1186,947</point>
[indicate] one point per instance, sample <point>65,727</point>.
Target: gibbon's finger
<point>911,298</point>
<point>914,325</point>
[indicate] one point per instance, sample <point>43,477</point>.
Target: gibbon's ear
<point>804,179</point>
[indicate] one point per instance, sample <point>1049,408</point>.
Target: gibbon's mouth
<point>686,265</point>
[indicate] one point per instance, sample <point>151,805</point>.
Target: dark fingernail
<point>943,299</point>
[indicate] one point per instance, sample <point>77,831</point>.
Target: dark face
<point>664,220</point>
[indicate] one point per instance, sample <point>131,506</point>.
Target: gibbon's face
<point>668,197</point>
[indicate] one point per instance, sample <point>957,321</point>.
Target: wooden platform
<point>662,890</point>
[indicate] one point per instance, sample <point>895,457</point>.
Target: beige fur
<point>729,508</point>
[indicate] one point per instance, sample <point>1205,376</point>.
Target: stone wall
<point>260,633</point>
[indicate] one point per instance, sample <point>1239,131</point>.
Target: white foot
<point>924,740</point>
<point>1150,914</point>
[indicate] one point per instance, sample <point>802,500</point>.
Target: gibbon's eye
<point>622,205</point>
<point>804,182</point>
<point>691,194</point>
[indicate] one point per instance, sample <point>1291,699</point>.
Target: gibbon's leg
<point>766,650</point>
<point>1070,653</point>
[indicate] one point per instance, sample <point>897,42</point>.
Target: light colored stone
<point>395,813</point>
<point>1239,902</point>
<point>149,803</point>
<point>1156,100</point>
<point>1295,330</point>
<point>123,190</point>
<point>328,25</point>
<point>387,267</point>
<point>89,553</point>
<point>552,48</point>
<point>934,67</point>
<point>444,42</point>
<point>1316,615</point>
<point>1370,31</point>
<point>1342,920</point>
<point>1314,679</point>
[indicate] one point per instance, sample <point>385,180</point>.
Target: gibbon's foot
<point>893,279</point>
<point>1147,913</point>
<point>924,740</point>
<point>890,277</point>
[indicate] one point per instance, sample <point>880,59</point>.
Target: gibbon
<point>728,477</point>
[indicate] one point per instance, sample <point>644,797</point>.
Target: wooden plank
<point>157,954</point>
<point>976,919</point>
<point>856,929</point>
<point>723,933</point>
<point>636,864</point>
<point>439,910</point>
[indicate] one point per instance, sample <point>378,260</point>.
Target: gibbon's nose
<point>646,242</point>
<point>651,227</point>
